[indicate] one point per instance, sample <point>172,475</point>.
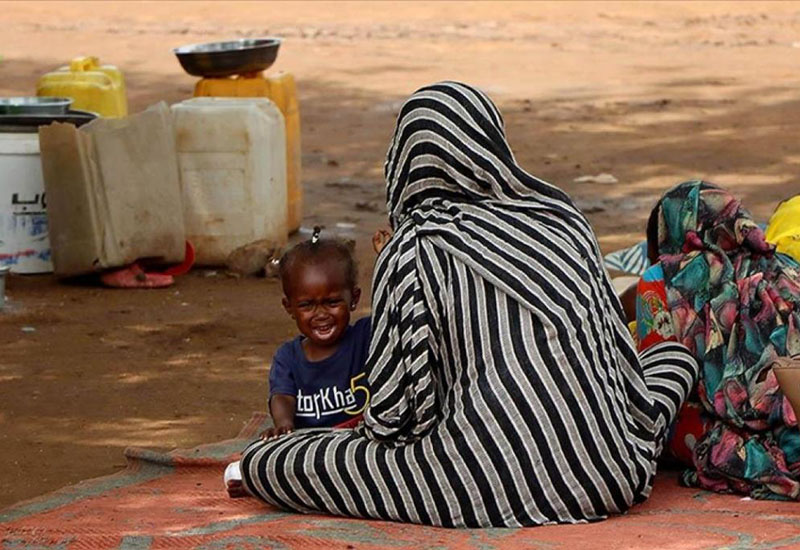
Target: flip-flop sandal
<point>183,267</point>
<point>134,276</point>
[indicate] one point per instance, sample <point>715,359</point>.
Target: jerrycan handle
<point>82,64</point>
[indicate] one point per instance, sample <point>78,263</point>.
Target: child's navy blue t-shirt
<point>330,391</point>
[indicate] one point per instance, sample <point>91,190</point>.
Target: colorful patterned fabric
<point>783,231</point>
<point>736,305</point>
<point>653,319</point>
<point>506,390</point>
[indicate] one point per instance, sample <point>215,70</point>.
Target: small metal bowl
<point>34,105</point>
<point>220,59</point>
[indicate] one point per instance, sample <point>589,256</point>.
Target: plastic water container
<point>24,241</point>
<point>92,86</point>
<point>281,89</point>
<point>232,162</point>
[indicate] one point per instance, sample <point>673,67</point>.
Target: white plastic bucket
<point>24,241</point>
<point>232,160</point>
<point>3,272</point>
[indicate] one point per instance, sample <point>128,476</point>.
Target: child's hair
<point>652,233</point>
<point>317,250</point>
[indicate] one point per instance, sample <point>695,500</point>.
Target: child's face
<point>320,301</point>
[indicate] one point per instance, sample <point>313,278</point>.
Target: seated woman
<point>506,390</point>
<point>720,289</point>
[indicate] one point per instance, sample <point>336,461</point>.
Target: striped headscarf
<point>505,387</point>
<point>450,143</point>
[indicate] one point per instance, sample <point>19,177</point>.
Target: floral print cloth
<point>653,319</point>
<point>721,290</point>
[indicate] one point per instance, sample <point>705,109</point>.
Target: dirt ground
<point>651,93</point>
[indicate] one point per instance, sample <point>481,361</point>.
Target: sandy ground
<point>651,93</point>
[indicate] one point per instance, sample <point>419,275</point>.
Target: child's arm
<point>628,299</point>
<point>282,408</point>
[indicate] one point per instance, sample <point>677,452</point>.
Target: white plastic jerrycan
<point>232,161</point>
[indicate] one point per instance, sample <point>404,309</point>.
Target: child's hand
<point>379,239</point>
<point>275,433</point>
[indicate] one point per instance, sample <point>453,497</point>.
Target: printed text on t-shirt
<point>332,400</point>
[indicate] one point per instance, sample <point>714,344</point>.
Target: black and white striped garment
<point>506,390</point>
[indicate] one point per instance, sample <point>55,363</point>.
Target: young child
<point>318,378</point>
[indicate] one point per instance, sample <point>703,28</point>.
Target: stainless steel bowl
<point>34,105</point>
<point>220,59</point>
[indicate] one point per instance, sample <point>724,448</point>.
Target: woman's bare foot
<point>236,489</point>
<point>233,481</point>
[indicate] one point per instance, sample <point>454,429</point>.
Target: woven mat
<point>175,500</point>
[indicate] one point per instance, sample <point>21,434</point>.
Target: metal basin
<point>220,59</point>
<point>34,105</point>
<point>28,123</point>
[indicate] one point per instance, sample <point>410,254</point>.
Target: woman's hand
<point>276,432</point>
<point>379,239</point>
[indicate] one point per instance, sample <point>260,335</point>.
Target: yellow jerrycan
<point>784,227</point>
<point>281,89</point>
<point>93,87</point>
